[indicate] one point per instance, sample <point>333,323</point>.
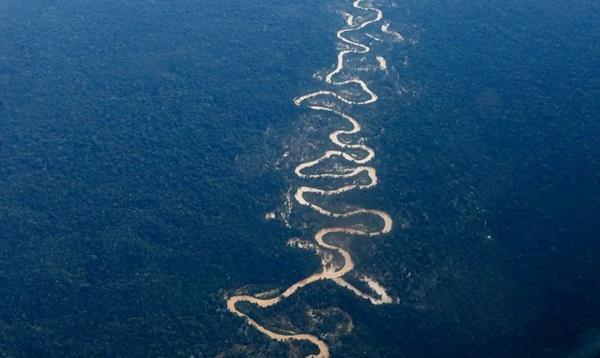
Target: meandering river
<point>359,155</point>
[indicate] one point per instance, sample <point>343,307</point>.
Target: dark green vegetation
<point>137,143</point>
<point>126,209</point>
